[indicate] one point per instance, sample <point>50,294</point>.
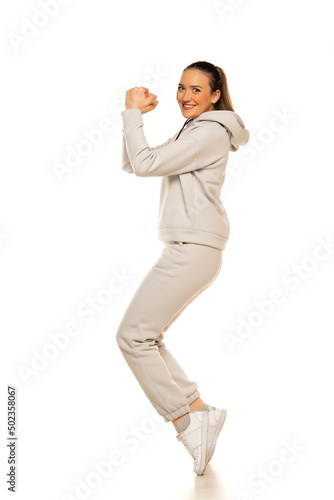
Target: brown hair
<point>217,81</point>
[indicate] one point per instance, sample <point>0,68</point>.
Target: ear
<point>217,97</point>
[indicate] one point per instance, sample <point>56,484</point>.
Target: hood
<point>239,135</point>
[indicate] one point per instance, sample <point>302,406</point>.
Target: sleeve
<point>126,164</point>
<point>204,146</point>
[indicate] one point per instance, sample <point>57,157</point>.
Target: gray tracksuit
<point>194,228</point>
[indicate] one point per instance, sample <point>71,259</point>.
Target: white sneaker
<point>194,439</point>
<point>216,421</point>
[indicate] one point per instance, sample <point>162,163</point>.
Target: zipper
<point>185,123</point>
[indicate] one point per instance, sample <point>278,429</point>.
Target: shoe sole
<point>205,428</point>
<point>219,427</point>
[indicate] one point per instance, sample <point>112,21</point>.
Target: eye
<point>181,87</point>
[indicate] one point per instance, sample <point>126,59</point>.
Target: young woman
<point>194,227</point>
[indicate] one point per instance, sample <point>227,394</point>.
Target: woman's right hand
<point>136,97</point>
<point>151,106</point>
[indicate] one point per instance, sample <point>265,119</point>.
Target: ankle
<point>178,420</point>
<point>197,404</point>
<point>194,406</point>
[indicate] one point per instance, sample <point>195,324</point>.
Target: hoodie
<point>192,165</point>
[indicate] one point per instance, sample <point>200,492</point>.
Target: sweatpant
<point>181,273</point>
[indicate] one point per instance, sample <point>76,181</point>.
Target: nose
<point>187,98</point>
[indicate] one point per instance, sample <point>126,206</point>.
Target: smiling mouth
<point>188,106</point>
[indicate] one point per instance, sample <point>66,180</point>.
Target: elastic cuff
<point>184,409</point>
<point>178,413</point>
<point>131,115</point>
<point>193,397</point>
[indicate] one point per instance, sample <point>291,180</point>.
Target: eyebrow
<point>192,85</point>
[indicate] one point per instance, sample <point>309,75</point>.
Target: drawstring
<point>185,123</point>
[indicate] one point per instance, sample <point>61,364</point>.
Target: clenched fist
<point>141,98</point>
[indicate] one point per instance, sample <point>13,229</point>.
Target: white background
<point>61,240</point>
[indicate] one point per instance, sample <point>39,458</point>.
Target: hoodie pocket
<point>189,198</point>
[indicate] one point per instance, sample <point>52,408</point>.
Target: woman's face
<point>194,90</point>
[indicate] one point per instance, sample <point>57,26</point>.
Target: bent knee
<point>124,336</point>
<point>120,335</point>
